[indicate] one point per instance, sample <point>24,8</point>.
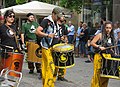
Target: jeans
<point>83,49</point>
<point>70,39</point>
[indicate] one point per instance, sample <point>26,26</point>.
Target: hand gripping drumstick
<point>98,50</point>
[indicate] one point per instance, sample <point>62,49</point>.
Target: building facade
<point>116,10</point>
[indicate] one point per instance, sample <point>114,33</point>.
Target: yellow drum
<point>110,67</point>
<point>32,47</point>
<point>63,55</point>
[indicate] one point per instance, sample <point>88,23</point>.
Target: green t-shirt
<point>28,29</point>
<point>66,26</point>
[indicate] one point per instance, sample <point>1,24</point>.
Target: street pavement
<point>79,76</point>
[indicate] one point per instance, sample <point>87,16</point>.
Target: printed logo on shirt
<point>10,33</point>
<point>32,29</point>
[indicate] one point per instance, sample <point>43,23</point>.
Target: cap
<point>29,14</point>
<point>58,11</point>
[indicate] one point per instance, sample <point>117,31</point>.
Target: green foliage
<point>69,4</point>
<point>72,4</point>
<point>9,3</point>
<point>21,1</point>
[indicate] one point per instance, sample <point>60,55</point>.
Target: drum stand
<point>9,81</point>
<point>6,80</point>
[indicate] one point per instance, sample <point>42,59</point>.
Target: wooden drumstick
<point>98,50</point>
<point>112,46</point>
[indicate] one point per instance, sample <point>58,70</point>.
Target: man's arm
<point>39,30</point>
<point>40,33</point>
<point>22,38</point>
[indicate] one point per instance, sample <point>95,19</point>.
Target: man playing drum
<point>63,38</point>
<point>49,31</point>
<point>28,36</point>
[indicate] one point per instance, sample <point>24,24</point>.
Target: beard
<point>30,20</point>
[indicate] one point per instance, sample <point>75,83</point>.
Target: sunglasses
<point>10,16</point>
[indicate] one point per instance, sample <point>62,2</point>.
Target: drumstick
<point>112,46</point>
<point>98,50</point>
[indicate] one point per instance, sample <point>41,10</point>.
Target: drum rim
<point>108,57</point>
<point>63,51</point>
<point>110,76</point>
<point>62,44</point>
<point>112,58</point>
<point>65,66</point>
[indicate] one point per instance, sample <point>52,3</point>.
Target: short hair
<point>84,24</point>
<point>29,14</point>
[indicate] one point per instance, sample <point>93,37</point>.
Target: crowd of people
<point>54,30</point>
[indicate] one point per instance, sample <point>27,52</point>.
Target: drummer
<point>101,41</point>
<point>28,35</point>
<point>49,31</point>
<point>63,37</point>
<point>8,32</point>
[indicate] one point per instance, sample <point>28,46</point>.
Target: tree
<point>21,1</point>
<point>74,4</point>
<point>9,3</point>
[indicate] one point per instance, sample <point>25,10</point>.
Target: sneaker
<point>88,61</point>
<point>31,72</point>
<point>62,79</point>
<point>40,76</point>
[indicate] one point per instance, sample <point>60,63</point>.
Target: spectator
<point>71,32</point>
<point>84,39</point>
<point>116,29</point>
<point>77,44</point>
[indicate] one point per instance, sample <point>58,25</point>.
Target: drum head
<point>63,47</point>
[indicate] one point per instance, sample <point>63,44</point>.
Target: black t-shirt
<point>64,30</point>
<point>7,36</point>
<point>84,38</point>
<point>45,23</point>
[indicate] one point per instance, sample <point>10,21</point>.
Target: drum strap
<point>51,24</point>
<point>15,38</point>
<point>47,42</point>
